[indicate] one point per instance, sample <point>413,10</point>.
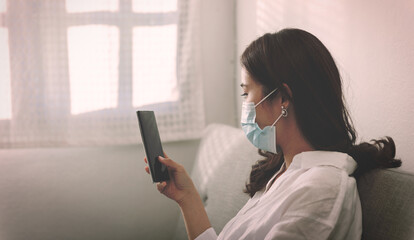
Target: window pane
<point>154,65</point>
<point>76,6</point>
<point>5,90</point>
<point>93,67</point>
<point>3,6</point>
<point>154,5</point>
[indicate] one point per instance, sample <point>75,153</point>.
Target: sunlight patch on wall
<point>93,67</point>
<point>3,6</point>
<point>5,88</point>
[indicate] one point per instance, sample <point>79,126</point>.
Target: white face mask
<point>263,139</point>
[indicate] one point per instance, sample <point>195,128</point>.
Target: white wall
<point>104,193</point>
<point>371,41</point>
<point>218,36</point>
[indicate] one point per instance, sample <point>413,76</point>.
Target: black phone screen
<point>152,145</point>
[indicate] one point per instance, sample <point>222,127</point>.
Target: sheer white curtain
<point>73,72</point>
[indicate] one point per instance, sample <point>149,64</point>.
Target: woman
<point>294,113</point>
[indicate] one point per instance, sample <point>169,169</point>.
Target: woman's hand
<point>180,186</point>
<point>181,189</point>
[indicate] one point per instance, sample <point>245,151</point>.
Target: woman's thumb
<point>168,162</point>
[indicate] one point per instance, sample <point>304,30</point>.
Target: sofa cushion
<point>220,172</point>
<point>387,200</point>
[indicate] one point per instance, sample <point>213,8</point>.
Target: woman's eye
<point>244,95</point>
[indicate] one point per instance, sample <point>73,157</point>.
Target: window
<point>94,50</point>
<point>152,52</point>
<point>82,6</point>
<point>154,6</point>
<point>79,69</point>
<point>93,67</point>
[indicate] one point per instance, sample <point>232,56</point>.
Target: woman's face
<point>266,112</point>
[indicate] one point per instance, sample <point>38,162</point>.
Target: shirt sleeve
<point>208,234</point>
<point>298,227</point>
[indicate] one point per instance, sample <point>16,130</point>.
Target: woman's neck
<point>295,144</point>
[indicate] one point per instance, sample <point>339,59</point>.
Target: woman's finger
<point>165,155</point>
<point>161,186</point>
<point>145,159</point>
<point>147,169</point>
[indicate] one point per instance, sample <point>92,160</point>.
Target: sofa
<point>223,165</point>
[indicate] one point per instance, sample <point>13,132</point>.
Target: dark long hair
<point>298,59</point>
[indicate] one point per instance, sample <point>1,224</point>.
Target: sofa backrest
<point>387,200</point>
<point>223,165</point>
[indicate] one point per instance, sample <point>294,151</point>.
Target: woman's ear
<point>286,99</point>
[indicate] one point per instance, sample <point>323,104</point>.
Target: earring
<point>284,112</point>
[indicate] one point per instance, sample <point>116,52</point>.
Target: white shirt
<point>314,199</point>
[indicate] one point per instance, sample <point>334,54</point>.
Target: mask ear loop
<point>283,114</point>
<point>265,97</point>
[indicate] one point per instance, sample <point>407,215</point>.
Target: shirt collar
<point>324,158</point>
<point>309,159</point>
<point>282,168</point>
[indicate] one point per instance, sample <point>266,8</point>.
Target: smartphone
<point>152,145</point>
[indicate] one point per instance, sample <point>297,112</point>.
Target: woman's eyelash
<point>244,95</point>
